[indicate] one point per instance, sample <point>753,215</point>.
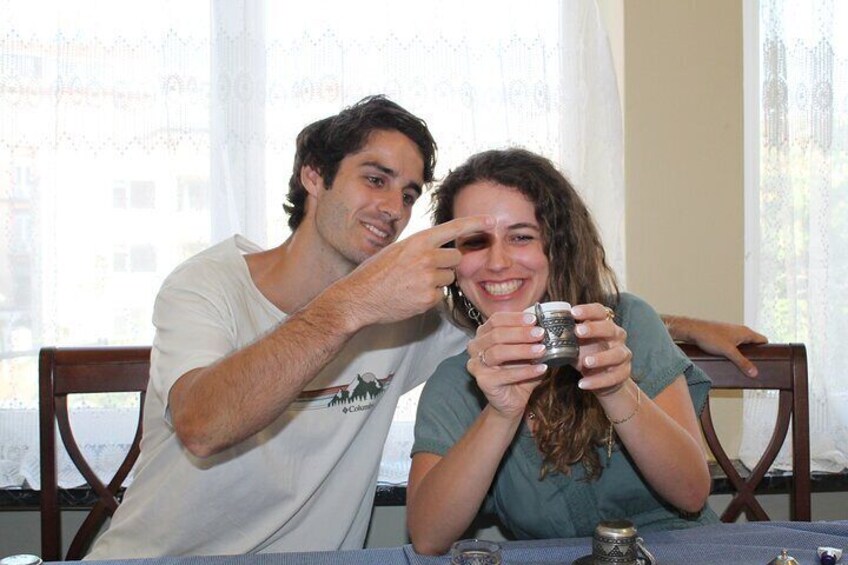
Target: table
<point>737,544</point>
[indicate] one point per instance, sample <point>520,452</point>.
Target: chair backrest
<point>90,370</point>
<point>782,367</point>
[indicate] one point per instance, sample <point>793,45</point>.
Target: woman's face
<point>504,269</point>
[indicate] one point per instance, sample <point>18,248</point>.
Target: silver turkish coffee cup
<point>615,542</point>
<point>559,340</point>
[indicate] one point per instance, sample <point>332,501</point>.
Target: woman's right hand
<point>444,492</point>
<point>502,358</point>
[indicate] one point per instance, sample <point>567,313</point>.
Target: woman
<point>552,452</point>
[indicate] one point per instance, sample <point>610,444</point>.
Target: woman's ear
<point>311,180</point>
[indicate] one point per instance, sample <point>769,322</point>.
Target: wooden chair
<point>91,370</point>
<point>782,367</point>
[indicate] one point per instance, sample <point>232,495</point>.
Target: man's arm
<point>718,338</point>
<point>218,406</point>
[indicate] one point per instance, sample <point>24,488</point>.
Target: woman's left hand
<point>604,359</point>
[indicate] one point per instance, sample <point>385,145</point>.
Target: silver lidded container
<point>560,341</point>
<point>615,542</point>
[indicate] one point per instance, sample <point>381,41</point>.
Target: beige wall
<point>680,78</point>
<point>684,155</point>
<point>679,66</point>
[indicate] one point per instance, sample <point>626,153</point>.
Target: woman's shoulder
<point>656,360</point>
<point>451,392</point>
<point>632,304</point>
<point>451,372</point>
<point>633,310</point>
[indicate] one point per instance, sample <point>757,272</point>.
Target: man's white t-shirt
<point>307,481</point>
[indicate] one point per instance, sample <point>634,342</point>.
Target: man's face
<point>371,198</point>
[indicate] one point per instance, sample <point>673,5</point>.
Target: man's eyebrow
<point>393,174</point>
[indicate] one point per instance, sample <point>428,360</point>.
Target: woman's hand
<point>604,359</point>
<point>502,360</point>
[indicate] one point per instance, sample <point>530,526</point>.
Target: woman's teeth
<point>502,288</point>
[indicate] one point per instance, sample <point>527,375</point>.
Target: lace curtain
<point>797,218</point>
<point>133,135</point>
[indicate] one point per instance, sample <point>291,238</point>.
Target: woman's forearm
<point>659,436</point>
<point>445,493</point>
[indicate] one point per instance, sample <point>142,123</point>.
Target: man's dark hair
<point>323,144</point>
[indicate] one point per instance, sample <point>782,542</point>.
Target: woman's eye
<point>472,244</point>
<point>376,181</point>
<point>523,238</point>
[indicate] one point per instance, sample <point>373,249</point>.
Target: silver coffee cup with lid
<point>615,542</point>
<point>560,341</point>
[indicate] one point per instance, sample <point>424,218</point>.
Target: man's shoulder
<point>437,330</point>
<point>222,259</point>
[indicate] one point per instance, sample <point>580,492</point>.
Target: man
<point>275,374</point>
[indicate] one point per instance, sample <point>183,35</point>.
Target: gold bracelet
<point>611,435</point>
<point>635,410</point>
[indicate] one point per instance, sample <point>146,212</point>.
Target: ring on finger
<point>481,355</point>
<point>610,313</point>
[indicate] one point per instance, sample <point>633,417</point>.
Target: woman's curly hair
<point>570,423</point>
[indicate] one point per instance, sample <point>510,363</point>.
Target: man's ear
<point>311,180</point>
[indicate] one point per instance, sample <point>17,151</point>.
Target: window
<point>192,194</point>
<point>797,208</point>
<point>120,195</point>
<point>142,195</point>
<point>139,133</point>
<point>142,259</point>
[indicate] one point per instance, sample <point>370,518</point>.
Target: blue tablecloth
<point>742,544</point>
<point>738,544</point>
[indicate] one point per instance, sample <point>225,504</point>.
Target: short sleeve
<point>657,361</point>
<point>448,406</point>
<point>191,332</point>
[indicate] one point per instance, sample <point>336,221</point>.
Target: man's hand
<point>407,277</point>
<point>718,338</point>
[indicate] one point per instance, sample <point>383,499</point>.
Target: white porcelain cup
<point>21,559</point>
<point>560,341</point>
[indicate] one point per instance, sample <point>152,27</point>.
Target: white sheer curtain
<point>132,135</point>
<point>797,213</point>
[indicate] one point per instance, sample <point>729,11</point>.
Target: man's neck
<point>295,272</point>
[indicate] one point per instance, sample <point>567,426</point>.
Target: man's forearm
<point>718,338</point>
<point>679,327</point>
<point>218,406</point>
